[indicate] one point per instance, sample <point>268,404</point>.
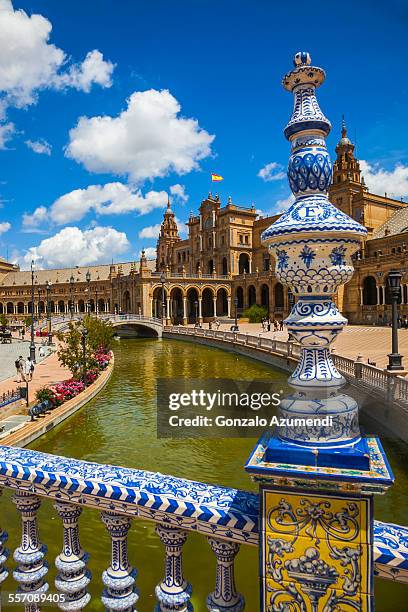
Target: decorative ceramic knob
<point>302,57</point>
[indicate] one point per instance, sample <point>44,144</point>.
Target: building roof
<point>63,275</point>
<point>396,224</point>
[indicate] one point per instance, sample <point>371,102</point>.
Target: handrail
<point>393,388</point>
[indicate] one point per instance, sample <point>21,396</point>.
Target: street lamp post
<point>48,286</point>
<point>32,343</point>
<point>236,314</point>
<point>196,311</point>
<point>88,280</point>
<point>164,314</point>
<point>394,285</point>
<point>71,293</point>
<point>96,302</point>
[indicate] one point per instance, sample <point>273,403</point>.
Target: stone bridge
<point>126,325</point>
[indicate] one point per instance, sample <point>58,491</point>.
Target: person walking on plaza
<point>28,369</point>
<point>281,325</point>
<point>19,363</point>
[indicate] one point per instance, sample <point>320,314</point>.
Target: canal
<point>119,427</point>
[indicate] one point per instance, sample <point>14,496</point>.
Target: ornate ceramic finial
<point>312,241</point>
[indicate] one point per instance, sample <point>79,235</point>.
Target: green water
<point>119,427</point>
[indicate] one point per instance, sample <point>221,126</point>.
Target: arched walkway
<point>101,305</point>
<point>176,305</point>
<point>251,295</point>
<point>192,305</point>
<point>61,306</point>
<point>208,303</point>
<point>158,310</point>
<point>20,308</point>
<point>126,302</point>
<point>222,302</point>
<point>10,308</point>
<point>81,306</point>
<point>240,297</point>
<point>265,297</point>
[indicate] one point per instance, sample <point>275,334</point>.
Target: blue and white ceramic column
<point>316,480</point>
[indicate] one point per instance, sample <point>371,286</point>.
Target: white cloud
<point>151,231</point>
<point>38,218</point>
<point>109,199</point>
<point>6,132</point>
<point>179,193</point>
<point>42,147</point>
<point>94,69</point>
<point>4,227</point>
<point>74,247</point>
<point>148,139</point>
<point>150,253</point>
<point>284,204</point>
<point>272,172</point>
<point>393,182</point>
<point>29,62</point>
<point>182,227</point>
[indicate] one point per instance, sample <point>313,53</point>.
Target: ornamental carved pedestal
<point>317,478</point>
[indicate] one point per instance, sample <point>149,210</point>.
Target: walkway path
<point>10,352</point>
<point>373,343</point>
<point>47,372</point>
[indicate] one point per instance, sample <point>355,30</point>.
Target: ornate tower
<point>168,236</point>
<point>347,180</point>
<point>313,241</point>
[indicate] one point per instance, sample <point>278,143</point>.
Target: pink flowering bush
<point>66,390</point>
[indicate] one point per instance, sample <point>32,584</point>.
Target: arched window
<point>243,263</point>
<point>251,295</point>
<point>370,291</point>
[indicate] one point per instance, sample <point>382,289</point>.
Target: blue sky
<point>222,64</point>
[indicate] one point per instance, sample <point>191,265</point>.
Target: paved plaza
<point>10,352</point>
<point>373,343</point>
<point>47,371</point>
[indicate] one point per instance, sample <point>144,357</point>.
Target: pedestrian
<point>281,325</point>
<point>218,323</point>
<point>275,325</point>
<point>19,368</point>
<point>268,325</point>
<point>41,351</point>
<point>28,369</point>
<point>209,325</point>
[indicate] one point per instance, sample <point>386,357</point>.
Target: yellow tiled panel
<point>301,557</point>
<point>316,516</point>
<point>288,594</point>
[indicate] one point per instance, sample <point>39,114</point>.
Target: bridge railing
<point>391,387</point>
<point>227,517</point>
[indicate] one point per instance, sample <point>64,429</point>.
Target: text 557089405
<point>45,599</point>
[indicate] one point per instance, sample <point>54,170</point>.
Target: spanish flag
<point>216,177</point>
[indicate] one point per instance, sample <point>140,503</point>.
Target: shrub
<point>44,394</point>
<point>255,313</point>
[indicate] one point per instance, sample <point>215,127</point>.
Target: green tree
<point>3,320</point>
<point>100,333</point>
<point>71,351</point>
<point>255,313</point>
